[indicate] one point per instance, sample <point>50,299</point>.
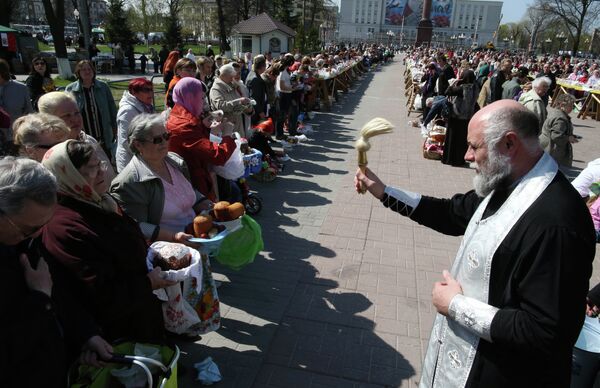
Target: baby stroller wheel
<point>253,204</point>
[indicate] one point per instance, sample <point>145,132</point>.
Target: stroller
<point>160,374</point>
<point>253,165</point>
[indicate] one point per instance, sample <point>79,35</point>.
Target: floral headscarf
<point>189,94</point>
<point>70,181</point>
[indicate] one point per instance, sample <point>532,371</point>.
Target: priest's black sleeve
<point>550,276</point>
<point>447,216</point>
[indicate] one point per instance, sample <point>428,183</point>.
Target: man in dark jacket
<point>257,89</point>
<point>512,88</point>
<point>41,328</point>
<point>547,72</point>
<point>162,57</point>
<point>500,76</point>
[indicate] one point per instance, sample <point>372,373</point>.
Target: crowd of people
<point>454,85</point>
<point>87,185</point>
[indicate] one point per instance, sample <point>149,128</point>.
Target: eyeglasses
<point>25,234</point>
<point>92,171</point>
<point>160,138</point>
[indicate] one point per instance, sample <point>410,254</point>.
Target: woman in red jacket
<point>190,135</point>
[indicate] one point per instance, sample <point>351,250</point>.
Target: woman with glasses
<point>154,188</point>
<point>96,104</point>
<point>100,251</point>
<point>137,100</point>
<point>190,136</point>
<point>36,133</point>
<point>39,81</point>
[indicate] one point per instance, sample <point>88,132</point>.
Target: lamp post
<point>548,42</point>
<point>453,39</point>
<point>461,39</point>
<point>505,40</point>
<point>561,36</point>
<point>434,38</point>
<point>390,35</point>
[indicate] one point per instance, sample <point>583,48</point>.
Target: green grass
<point>143,49</point>
<point>117,89</point>
<point>140,48</point>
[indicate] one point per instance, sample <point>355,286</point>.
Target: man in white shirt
<point>283,86</point>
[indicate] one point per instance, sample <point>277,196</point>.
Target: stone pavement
<point>341,295</point>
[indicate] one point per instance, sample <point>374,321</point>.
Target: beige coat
<point>483,94</point>
<point>534,103</point>
<point>226,98</point>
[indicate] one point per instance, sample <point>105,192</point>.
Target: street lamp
<point>434,37</point>
<point>390,35</point>
<point>453,39</point>
<point>461,38</point>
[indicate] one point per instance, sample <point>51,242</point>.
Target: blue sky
<point>513,10</point>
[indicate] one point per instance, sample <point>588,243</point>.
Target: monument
<point>425,27</point>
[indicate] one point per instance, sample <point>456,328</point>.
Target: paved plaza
<point>341,295</point>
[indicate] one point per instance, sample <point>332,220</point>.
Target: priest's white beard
<point>494,172</point>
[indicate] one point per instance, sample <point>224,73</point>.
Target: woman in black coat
<point>464,105</point>
<point>39,81</point>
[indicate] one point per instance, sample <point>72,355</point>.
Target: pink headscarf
<point>189,94</point>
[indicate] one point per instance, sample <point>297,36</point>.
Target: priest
<point>511,307</point>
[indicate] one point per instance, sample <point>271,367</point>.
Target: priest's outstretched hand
<point>373,184</point>
<point>444,291</point>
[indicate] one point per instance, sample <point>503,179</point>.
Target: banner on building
<point>411,11</point>
<point>441,12</point>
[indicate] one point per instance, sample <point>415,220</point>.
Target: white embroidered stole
<point>452,347</point>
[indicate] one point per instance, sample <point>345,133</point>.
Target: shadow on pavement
<point>291,319</point>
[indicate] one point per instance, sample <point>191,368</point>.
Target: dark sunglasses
<point>161,138</point>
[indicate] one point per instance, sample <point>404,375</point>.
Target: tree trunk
<point>7,8</point>
<point>56,22</point>
<point>223,45</point>
<point>145,23</point>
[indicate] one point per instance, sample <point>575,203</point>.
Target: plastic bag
<point>208,372</point>
<point>234,167</point>
<point>206,302</point>
<point>240,247</point>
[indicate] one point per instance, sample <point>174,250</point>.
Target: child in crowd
<point>594,206</point>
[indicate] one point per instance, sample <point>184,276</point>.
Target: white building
<point>456,22</point>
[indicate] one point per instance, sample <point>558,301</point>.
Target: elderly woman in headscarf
<point>557,132</point>
<point>154,188</point>
<point>464,104</point>
<point>190,135</point>
<point>98,251</point>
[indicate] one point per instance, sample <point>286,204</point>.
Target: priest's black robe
<point>539,281</point>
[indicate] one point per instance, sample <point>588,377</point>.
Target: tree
<point>117,24</point>
<point>7,10</point>
<point>55,15</point>
<point>282,11</point>
<point>173,27</point>
<point>576,15</point>
<point>223,43</point>
<point>537,18</point>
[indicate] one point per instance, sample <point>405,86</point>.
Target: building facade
<point>31,13</point>
<point>455,22</point>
